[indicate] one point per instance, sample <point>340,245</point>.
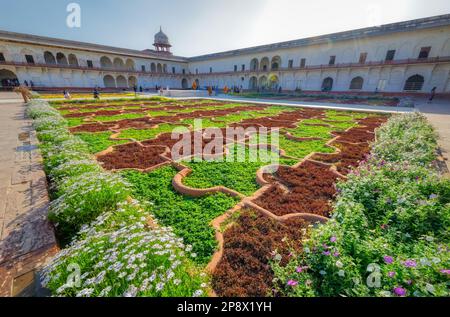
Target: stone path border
<point>26,238</point>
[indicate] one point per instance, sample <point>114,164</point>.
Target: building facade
<point>400,58</point>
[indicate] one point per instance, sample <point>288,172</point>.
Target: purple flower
<point>391,274</point>
<point>410,263</point>
<point>400,291</point>
<point>388,259</point>
<point>292,283</point>
<point>336,254</point>
<point>433,196</point>
<point>445,272</point>
<point>327,253</point>
<point>299,269</point>
<point>333,239</point>
<point>409,282</point>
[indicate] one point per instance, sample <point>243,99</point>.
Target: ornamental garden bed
<point>247,230</point>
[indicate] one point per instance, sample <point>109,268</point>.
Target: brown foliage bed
<point>244,270</point>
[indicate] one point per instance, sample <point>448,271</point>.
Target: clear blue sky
<point>205,26</point>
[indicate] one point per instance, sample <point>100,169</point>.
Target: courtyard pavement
<point>26,237</point>
<point>438,113</point>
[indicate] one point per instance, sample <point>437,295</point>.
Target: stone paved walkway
<point>438,113</point>
<point>26,238</point>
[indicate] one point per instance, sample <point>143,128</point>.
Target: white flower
<point>159,287</point>
<point>339,264</point>
<point>131,292</point>
<point>198,293</point>
<point>341,273</point>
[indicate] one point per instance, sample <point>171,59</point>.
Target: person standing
<point>96,93</point>
<point>433,94</point>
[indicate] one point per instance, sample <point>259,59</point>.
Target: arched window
<point>121,82</point>
<point>414,83</point>
<point>132,81</point>
<point>109,81</point>
<point>274,82</point>
<point>73,61</point>
<point>118,63</point>
<point>327,84</point>
<point>357,83</point>
<point>184,84</point>
<point>276,63</point>
<point>253,83</point>
<point>105,62</point>
<point>263,82</point>
<point>49,58</point>
<point>153,67</point>
<point>254,64</point>
<point>130,64</point>
<point>61,59</point>
<point>8,78</point>
<point>159,68</point>
<point>265,64</point>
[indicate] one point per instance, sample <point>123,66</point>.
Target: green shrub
<point>406,138</point>
<point>390,229</point>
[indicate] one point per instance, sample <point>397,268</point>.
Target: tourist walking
<point>67,95</point>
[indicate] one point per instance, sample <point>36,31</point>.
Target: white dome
<point>161,38</point>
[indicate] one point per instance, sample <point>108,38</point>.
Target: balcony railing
<point>409,61</point>
<point>85,68</point>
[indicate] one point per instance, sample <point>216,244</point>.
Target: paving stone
<point>27,239</point>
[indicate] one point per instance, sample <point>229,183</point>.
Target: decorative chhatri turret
<point>162,44</point>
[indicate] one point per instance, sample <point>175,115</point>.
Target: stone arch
<point>121,82</point>
<point>49,58</point>
<point>105,62</point>
<point>130,64</point>
<point>61,59</point>
<point>274,82</point>
<point>7,75</point>
<point>164,68</point>
<point>327,84</point>
<point>276,63</point>
<point>253,83</point>
<point>265,64</point>
<point>153,67</point>
<point>73,61</point>
<point>263,82</point>
<point>118,63</point>
<point>414,83</point>
<point>357,83</point>
<point>254,65</point>
<point>184,83</point>
<point>109,81</point>
<point>132,81</point>
<point>159,68</point>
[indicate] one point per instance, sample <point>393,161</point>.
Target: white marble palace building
<point>399,58</point>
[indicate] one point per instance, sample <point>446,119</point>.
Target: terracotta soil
<point>93,127</point>
<point>305,189</point>
<point>350,156</point>
<point>132,155</point>
<point>244,270</point>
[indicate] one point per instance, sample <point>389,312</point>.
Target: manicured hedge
<point>390,231</point>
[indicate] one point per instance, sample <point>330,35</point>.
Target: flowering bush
<point>117,248</point>
<point>406,138</point>
<point>119,255</point>
<point>389,232</point>
<point>84,198</point>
